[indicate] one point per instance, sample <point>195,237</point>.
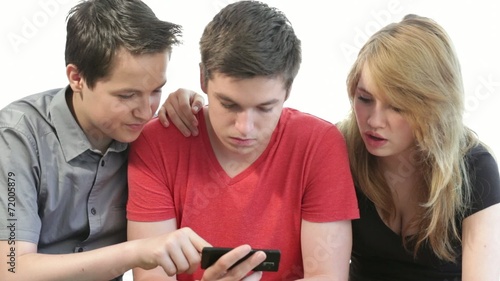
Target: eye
<point>364,99</point>
<point>156,93</point>
<point>126,96</point>
<point>396,109</point>
<point>228,105</point>
<point>265,109</point>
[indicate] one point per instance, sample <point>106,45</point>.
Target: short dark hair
<point>249,38</point>
<point>97,29</point>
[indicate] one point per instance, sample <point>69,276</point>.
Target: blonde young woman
<point>428,189</point>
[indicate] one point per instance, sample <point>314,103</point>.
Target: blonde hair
<point>414,64</point>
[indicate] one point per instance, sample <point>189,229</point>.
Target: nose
<point>244,122</point>
<point>377,118</point>
<point>144,109</point>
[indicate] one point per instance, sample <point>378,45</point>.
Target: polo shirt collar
<point>73,140</point>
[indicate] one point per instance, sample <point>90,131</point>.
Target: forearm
<point>101,264</point>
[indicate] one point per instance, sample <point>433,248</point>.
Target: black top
<point>378,252</point>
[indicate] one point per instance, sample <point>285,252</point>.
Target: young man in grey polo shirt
<point>63,183</point>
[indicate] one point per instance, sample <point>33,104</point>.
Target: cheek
<point>404,128</point>
<point>112,113</point>
<point>116,109</point>
<point>267,123</point>
<point>359,111</point>
<point>219,117</point>
<point>155,103</point>
<point>410,134</point>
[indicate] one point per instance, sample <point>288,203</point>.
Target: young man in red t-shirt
<point>258,173</point>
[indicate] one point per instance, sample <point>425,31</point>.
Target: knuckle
<point>183,267</point>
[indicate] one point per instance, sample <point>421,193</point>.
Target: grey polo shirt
<point>56,191</point>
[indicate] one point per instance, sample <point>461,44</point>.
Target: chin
<point>127,138</point>
<point>378,152</point>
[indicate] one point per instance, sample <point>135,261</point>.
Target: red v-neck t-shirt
<point>302,174</point>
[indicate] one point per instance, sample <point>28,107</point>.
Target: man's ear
<point>76,81</point>
<point>203,83</point>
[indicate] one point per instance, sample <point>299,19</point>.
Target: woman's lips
<point>374,140</point>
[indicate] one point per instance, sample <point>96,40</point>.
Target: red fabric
<point>303,174</point>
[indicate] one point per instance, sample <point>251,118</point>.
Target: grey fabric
<point>64,196</point>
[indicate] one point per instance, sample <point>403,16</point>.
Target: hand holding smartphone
<point>210,255</point>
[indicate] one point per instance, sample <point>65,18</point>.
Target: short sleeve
<point>485,180</point>
<point>19,178</point>
<point>149,199</point>
<point>330,189</point>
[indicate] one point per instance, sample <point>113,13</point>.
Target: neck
<point>400,170</point>
<point>96,138</point>
<point>405,162</point>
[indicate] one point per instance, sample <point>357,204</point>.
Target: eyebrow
<point>162,84</point>
<point>138,91</point>
<point>226,98</point>
<point>362,89</point>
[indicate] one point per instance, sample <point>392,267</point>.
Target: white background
<point>33,37</point>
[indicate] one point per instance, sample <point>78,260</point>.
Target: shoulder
<point>29,115</point>
<point>480,160</point>
<point>154,129</point>
<point>484,178</point>
<point>308,133</point>
<point>36,101</point>
<point>478,152</point>
<point>306,124</point>
<point>153,125</point>
<point>160,139</point>
<point>297,116</point>
<point>154,133</point>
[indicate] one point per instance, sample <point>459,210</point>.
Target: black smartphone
<point>210,255</point>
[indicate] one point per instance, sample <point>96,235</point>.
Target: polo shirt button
<point>80,250</point>
<point>93,211</point>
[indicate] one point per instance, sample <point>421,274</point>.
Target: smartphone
<point>210,255</point>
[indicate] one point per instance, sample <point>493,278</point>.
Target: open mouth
<point>375,138</point>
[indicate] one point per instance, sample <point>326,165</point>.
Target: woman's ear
<point>75,80</point>
<point>203,83</point>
